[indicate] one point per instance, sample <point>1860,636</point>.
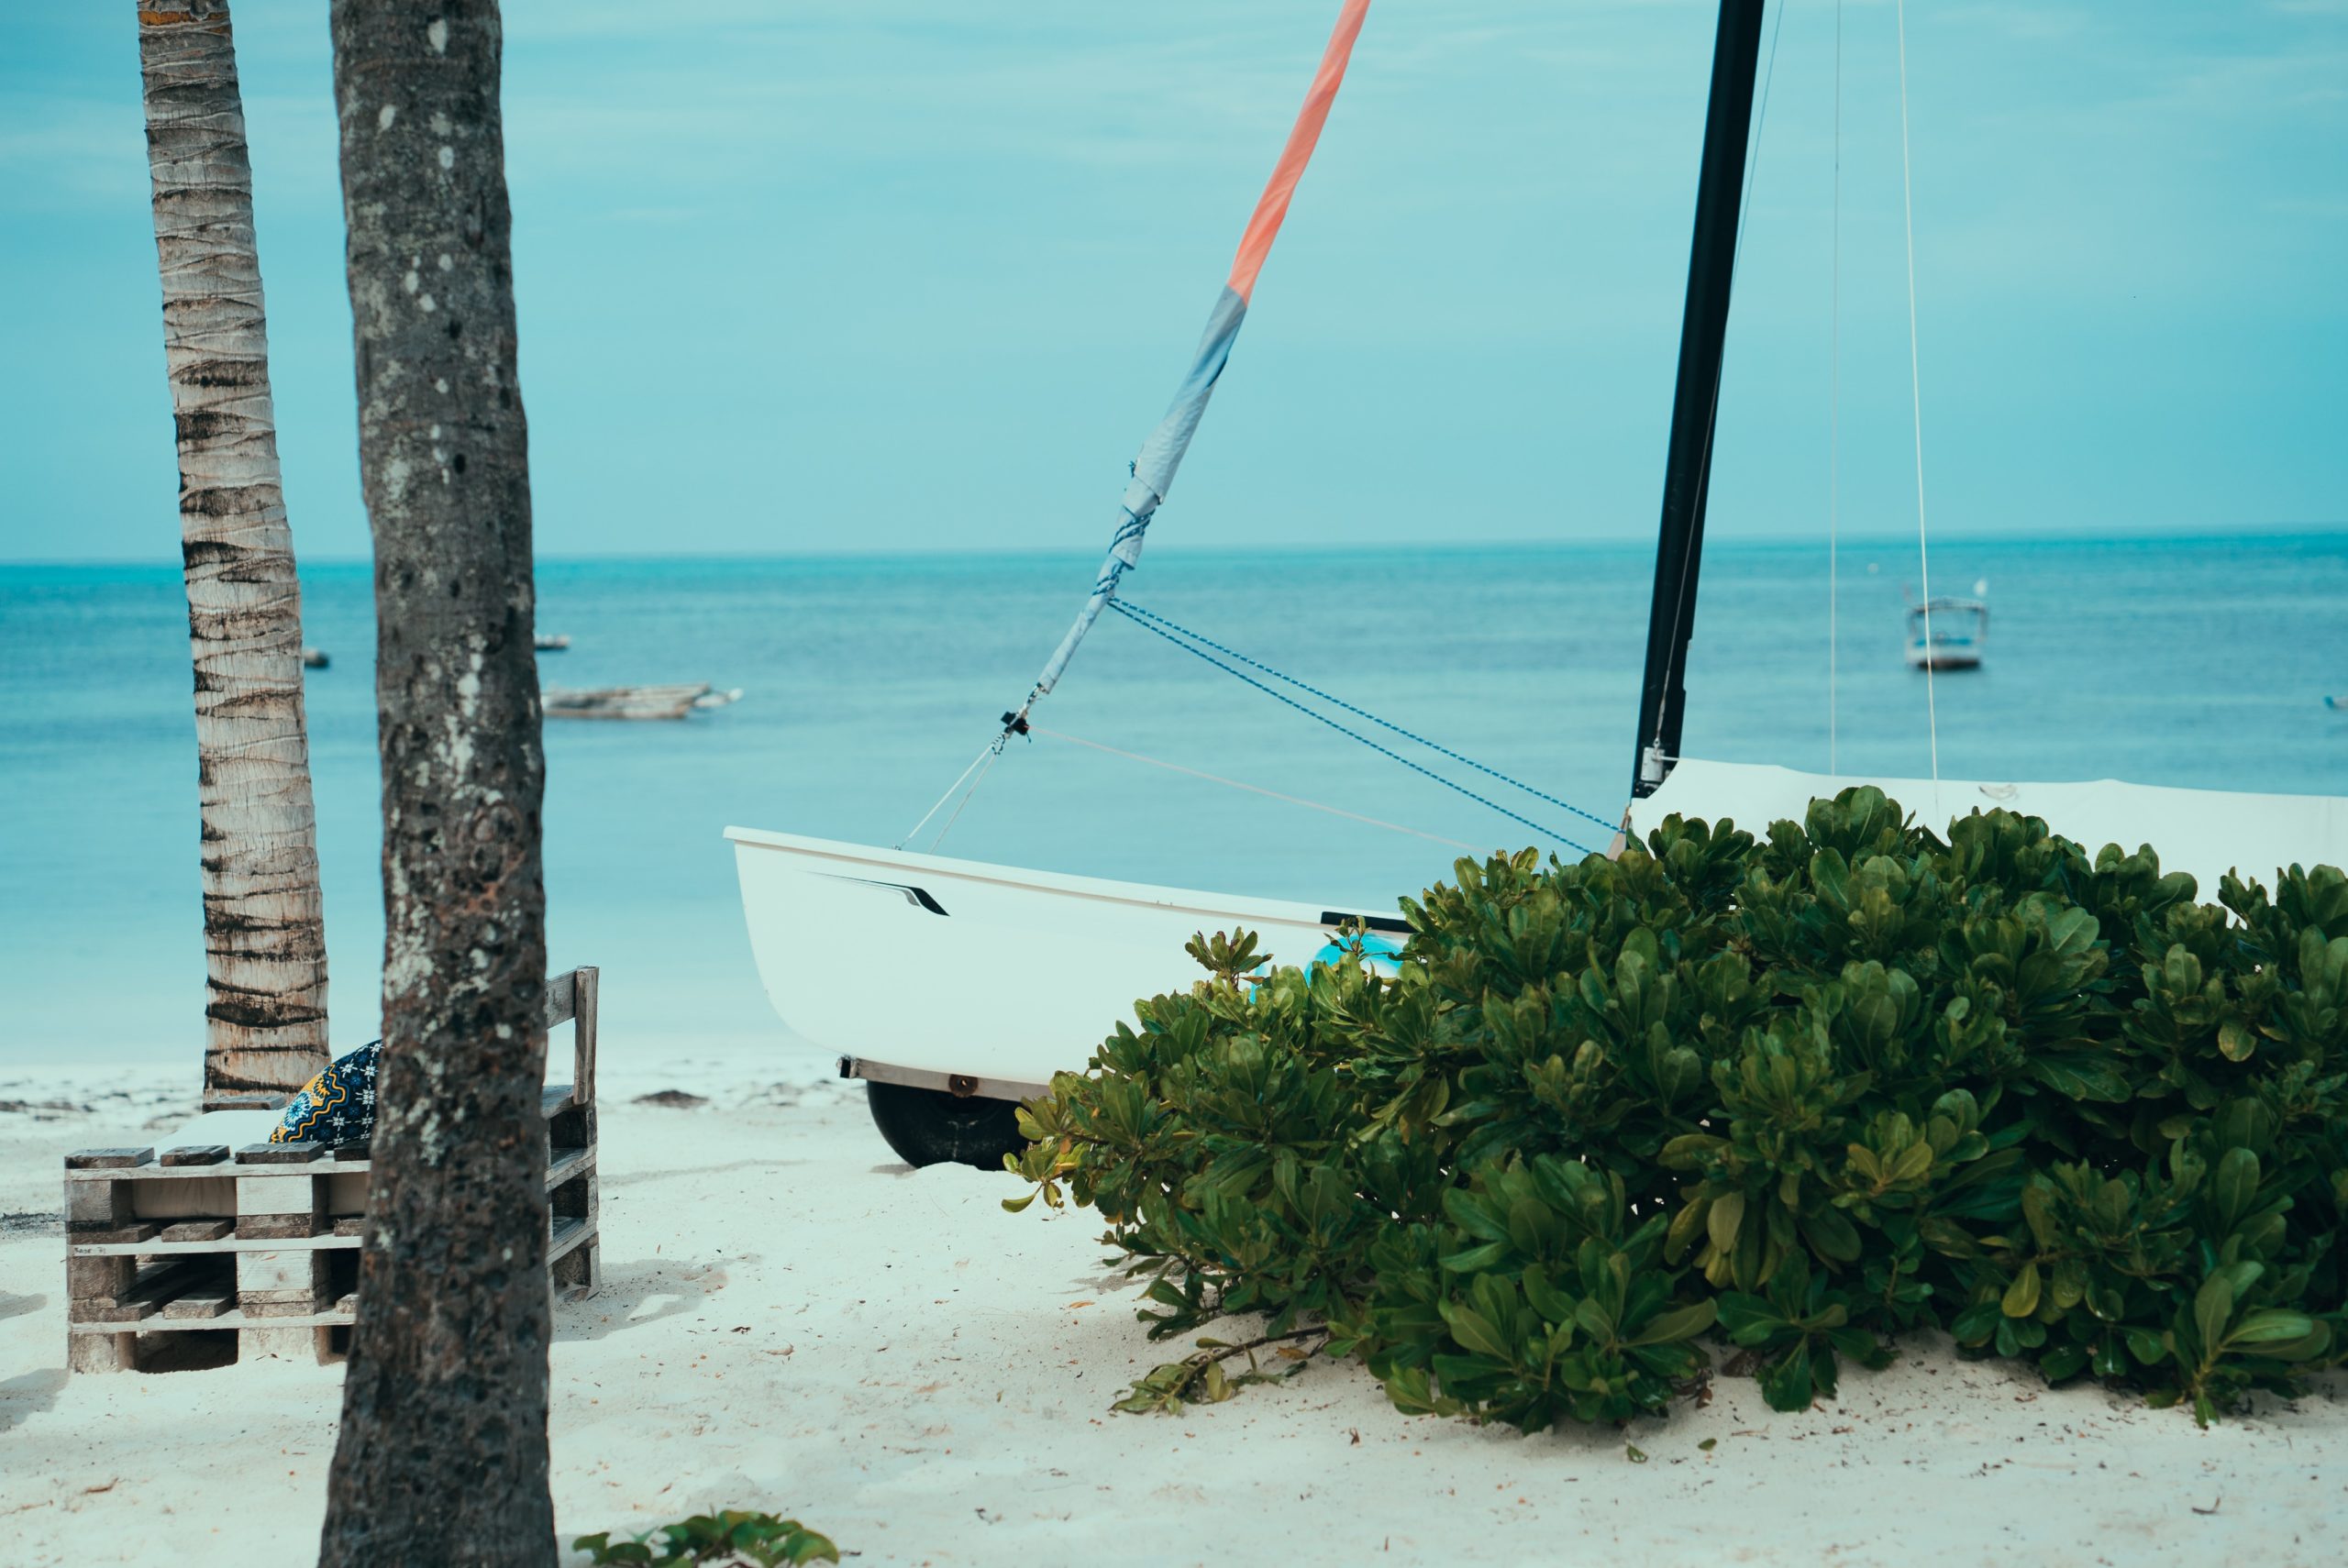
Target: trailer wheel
<point>930,1127</point>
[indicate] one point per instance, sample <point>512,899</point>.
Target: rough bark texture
<point>442,1454</point>
<point>264,931</point>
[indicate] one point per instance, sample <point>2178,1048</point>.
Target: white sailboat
<point>955,988</point>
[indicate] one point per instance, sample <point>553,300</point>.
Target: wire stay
<point>1195,646</point>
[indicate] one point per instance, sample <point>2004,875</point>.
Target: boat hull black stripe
<point>1374,923</point>
<point>917,897</point>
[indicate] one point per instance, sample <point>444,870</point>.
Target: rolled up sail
<point>1161,455</point>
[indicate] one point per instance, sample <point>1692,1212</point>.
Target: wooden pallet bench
<point>261,1240</point>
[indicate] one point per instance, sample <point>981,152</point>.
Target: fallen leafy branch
<point>1198,1377</point>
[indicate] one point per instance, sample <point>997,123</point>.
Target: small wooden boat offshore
<point>955,988</point>
<point>631,701</point>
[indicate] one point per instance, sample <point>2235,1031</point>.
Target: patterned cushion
<point>336,1107</point>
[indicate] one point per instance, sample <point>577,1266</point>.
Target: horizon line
<point>2154,535</point>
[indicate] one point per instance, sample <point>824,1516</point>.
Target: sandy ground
<point>790,1320</point>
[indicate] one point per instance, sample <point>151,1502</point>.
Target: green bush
<point>1806,1092</point>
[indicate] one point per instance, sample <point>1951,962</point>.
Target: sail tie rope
<point>1176,635</point>
<point>986,765</point>
<point>1252,789</point>
<point>989,750</point>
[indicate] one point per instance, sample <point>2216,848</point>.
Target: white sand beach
<point>793,1320</point>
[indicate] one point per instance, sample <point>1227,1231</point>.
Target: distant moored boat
<point>1949,631</point>
<point>552,641</point>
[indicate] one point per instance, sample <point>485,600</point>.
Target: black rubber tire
<point>930,1127</point>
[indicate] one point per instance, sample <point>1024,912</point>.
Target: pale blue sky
<point>885,274</point>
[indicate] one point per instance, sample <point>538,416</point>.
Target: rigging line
<point>1252,789</point>
<point>988,761</point>
<point>1736,254</point>
<point>1916,404</point>
<point>914,831</point>
<point>1119,606</point>
<point>1760,120</point>
<point>1834,425</point>
<point>1129,608</point>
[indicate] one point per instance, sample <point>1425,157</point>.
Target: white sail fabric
<point>2206,832</point>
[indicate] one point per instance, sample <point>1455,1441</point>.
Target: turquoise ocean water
<point>869,683</point>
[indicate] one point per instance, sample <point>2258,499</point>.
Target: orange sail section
<point>1161,455</point>
<point>1256,243</point>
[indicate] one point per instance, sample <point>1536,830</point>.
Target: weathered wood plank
<point>567,1164</point>
<point>196,1231</point>
<point>276,1227</point>
<point>167,1277</point>
<point>108,1159</point>
<point>102,1310</point>
<point>101,1204</point>
<point>97,1279</point>
<point>300,1193</point>
<point>295,1154</point>
<point>226,1245</point>
<point>561,1004</point>
<point>196,1155</point>
<point>587,989</point>
<point>563,1235</point>
<point>149,1173</point>
<point>98,1347</point>
<point>226,1320</point>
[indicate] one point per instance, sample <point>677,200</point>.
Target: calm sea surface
<point>868,684</point>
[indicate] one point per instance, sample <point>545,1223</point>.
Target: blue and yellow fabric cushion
<point>338,1107</point>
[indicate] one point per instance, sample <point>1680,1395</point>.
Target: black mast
<point>1703,332</point>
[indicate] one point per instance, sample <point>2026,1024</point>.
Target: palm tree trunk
<point>264,930</point>
<point>442,1453</point>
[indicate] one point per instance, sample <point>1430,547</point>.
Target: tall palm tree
<point>264,930</point>
<point>442,1453</point>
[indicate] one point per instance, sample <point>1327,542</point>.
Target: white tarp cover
<point>2206,832</point>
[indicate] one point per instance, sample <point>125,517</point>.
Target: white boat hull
<point>986,980</point>
<point>920,970</point>
<point>2206,832</point>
